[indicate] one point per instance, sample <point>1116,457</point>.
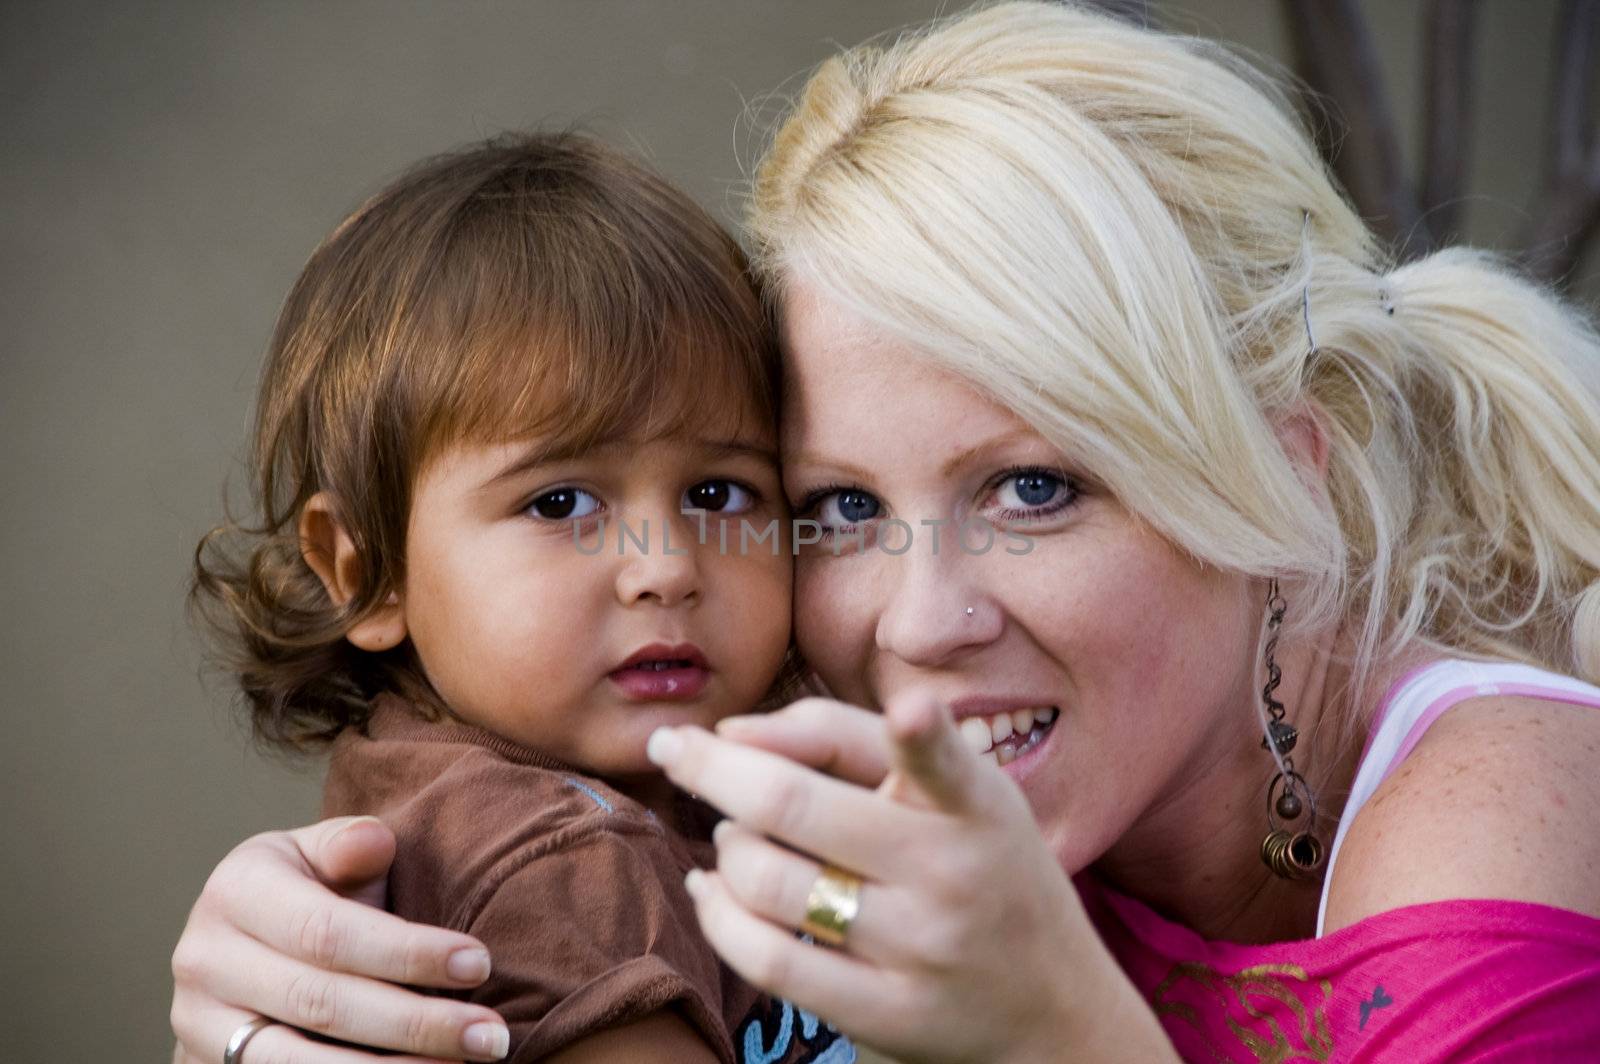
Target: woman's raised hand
<point>290,926</point>
<point>970,942</point>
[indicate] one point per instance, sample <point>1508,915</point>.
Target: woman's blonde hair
<point>1128,238</point>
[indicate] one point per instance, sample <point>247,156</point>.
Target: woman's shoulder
<point>1496,800</point>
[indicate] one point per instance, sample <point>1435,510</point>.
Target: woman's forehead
<point>855,392</point>
<point>828,348</point>
<point>871,416</point>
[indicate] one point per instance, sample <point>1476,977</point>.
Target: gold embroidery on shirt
<point>1252,1003</point>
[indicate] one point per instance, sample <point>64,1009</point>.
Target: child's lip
<point>678,684</point>
<point>685,652</point>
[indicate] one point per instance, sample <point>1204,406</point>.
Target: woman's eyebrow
<point>965,455</point>
<point>950,465</point>
<point>807,458</point>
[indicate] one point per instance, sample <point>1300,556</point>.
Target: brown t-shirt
<point>576,889</point>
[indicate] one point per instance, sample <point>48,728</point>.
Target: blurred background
<point>167,169</point>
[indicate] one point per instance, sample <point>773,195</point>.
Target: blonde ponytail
<point>1501,555</point>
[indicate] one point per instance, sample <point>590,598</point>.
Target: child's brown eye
<point>564,503</point>
<point>717,496</point>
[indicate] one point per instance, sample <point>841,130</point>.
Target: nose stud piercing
<point>970,611</point>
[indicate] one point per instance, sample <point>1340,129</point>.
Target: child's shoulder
<point>574,887</point>
<point>469,808</point>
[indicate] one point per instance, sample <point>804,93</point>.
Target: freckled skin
<point>1515,829</point>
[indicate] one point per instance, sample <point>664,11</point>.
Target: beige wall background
<point>166,169</point>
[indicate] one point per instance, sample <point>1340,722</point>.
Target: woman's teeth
<point>1006,736</point>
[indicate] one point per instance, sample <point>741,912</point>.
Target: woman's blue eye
<point>1032,493</point>
<point>564,504</point>
<point>1034,489</point>
<point>718,496</point>
<point>850,506</point>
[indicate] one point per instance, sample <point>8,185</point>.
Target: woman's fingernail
<point>468,965</point>
<point>355,823</point>
<point>663,746</point>
<point>694,882</point>
<point>720,832</point>
<point>732,724</point>
<point>487,1041</point>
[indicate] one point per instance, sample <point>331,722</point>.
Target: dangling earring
<point>1290,854</point>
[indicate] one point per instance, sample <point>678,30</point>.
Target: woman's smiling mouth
<point>1006,735</point>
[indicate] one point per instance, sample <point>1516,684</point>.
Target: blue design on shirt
<point>817,1043</point>
<point>599,799</point>
<point>1380,1000</point>
<point>841,1052</point>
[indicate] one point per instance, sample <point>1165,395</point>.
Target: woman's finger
<point>832,820</point>
<point>351,854</point>
<point>928,755</point>
<point>844,741</point>
<point>775,884</point>
<point>830,983</point>
<point>269,893</point>
<point>353,1009</point>
<point>279,1044</point>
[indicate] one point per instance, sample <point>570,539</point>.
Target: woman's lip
<point>989,705</point>
<point>661,685</point>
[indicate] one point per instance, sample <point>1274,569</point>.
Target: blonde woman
<point>1280,739</point>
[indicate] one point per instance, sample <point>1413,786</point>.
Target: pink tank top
<point>1461,980</point>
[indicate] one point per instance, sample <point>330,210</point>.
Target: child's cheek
<point>755,620</point>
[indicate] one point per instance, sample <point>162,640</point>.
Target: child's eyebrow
<point>549,452</point>
<point>722,448</point>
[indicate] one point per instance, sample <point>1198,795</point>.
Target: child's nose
<point>659,563</point>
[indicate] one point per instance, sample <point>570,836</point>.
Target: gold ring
<point>832,905</point>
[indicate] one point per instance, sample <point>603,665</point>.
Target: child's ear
<point>328,549</point>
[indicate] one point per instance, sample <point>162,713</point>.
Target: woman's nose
<point>660,561</point>
<point>935,611</point>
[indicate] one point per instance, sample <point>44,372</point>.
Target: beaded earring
<point>1290,854</point>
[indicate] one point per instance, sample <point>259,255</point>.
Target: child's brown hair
<point>534,284</point>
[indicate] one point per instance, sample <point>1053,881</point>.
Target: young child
<point>511,354</point>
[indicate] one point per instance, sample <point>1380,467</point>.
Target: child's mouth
<point>661,681</point>
<point>663,674</point>
<point>662,666</point>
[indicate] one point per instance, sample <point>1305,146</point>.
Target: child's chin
<point>629,755</point>
<point>703,713</point>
